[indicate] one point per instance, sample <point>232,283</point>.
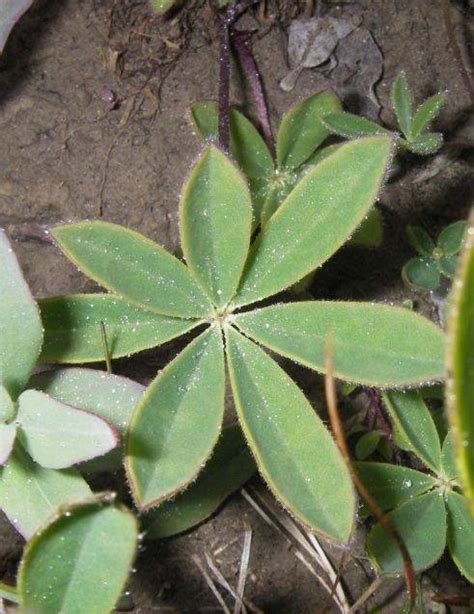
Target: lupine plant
<point>428,507</point>
<point>435,260</point>
<point>42,434</point>
<point>153,297</point>
<point>414,126</point>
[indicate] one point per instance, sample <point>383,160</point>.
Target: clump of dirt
<point>94,100</point>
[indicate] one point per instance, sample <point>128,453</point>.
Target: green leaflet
<point>352,126</point>
<point>367,444</point>
<point>420,240</point>
<point>29,494</point>
<point>370,232</point>
<point>7,408</point>
<point>421,523</point>
<point>79,562</point>
<point>448,461</point>
<point>402,104</point>
<point>460,364</point>
<point>415,428</point>
<point>247,148</point>
<point>57,435</point>
<point>301,130</point>
<point>294,452</point>
<point>450,238</point>
<point>316,218</point>
<point>392,485</point>
<point>372,344</point>
<point>7,439</point>
<point>461,534</point>
<point>73,333</point>
<point>177,422</point>
<point>21,333</point>
<point>426,144</point>
<point>229,467</point>
<point>215,225</point>
<point>134,267</point>
<point>421,273</point>
<point>111,397</point>
<point>425,114</point>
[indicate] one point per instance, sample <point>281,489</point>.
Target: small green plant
<point>154,297</point>
<point>428,509</point>
<point>41,436</point>
<point>435,260</point>
<point>414,127</point>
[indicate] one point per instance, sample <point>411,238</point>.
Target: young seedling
<point>176,423</point>
<point>428,509</point>
<point>435,260</point>
<point>414,128</point>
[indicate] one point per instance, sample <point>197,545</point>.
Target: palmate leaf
<point>316,218</point>
<point>80,561</point>
<point>176,424</point>
<point>229,467</point>
<point>21,333</point>
<point>392,485</point>
<point>373,344</point>
<point>460,364</point>
<point>57,435</point>
<point>461,534</point>
<point>247,148</point>
<point>29,494</point>
<point>302,131</point>
<point>421,523</point>
<point>134,267</point>
<point>294,452</point>
<point>215,224</point>
<point>111,397</point>
<point>73,329</point>
<point>414,427</point>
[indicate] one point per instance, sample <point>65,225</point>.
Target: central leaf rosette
<point>153,297</point>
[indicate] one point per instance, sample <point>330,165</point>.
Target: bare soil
<point>65,155</point>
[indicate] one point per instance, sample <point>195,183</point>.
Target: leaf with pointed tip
<point>415,428</point>
<point>448,460</point>
<point>73,329</point>
<point>402,104</point>
<point>352,126</point>
<point>177,422</point>
<point>294,452</point>
<point>7,408</point>
<point>229,467</point>
<point>80,561</point>
<point>29,494</point>
<point>392,485</point>
<point>215,224</point>
<point>7,439</point>
<point>461,534</point>
<point>137,269</point>
<point>10,13</point>
<point>450,238</point>
<point>111,397</point>
<point>420,240</point>
<point>301,130</point>
<point>247,148</point>
<point>373,344</point>
<point>460,364</point>
<point>367,444</point>
<point>21,333</point>
<point>57,435</point>
<point>421,523</point>
<point>425,114</point>
<point>316,218</point>
<point>426,144</point>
